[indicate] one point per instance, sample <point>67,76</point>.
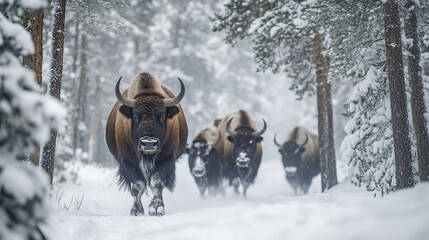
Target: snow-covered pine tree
<point>358,53</point>
<point>26,117</point>
<point>283,40</point>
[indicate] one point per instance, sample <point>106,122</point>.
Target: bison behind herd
<point>146,132</point>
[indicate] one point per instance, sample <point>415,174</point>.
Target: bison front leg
<point>305,184</point>
<point>164,175</point>
<point>245,187</point>
<point>137,190</point>
<point>156,206</point>
<point>236,184</point>
<point>202,186</point>
<point>293,181</point>
<point>132,177</point>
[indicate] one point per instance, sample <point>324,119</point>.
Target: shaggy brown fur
<point>148,117</point>
<point>303,159</point>
<point>148,92</point>
<point>311,148</point>
<point>244,126</point>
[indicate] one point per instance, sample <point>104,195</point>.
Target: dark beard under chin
<point>147,164</point>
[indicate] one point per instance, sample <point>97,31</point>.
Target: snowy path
<point>270,212</point>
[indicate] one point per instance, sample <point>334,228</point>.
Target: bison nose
<point>291,171</point>
<point>198,171</point>
<point>148,145</point>
<point>243,162</point>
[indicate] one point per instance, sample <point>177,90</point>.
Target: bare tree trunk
<point>33,22</point>
<point>418,105</point>
<point>325,122</point>
<point>82,79</point>
<point>76,85</point>
<point>425,64</point>
<point>398,98</point>
<point>136,54</point>
<point>84,105</point>
<point>76,46</point>
<point>48,155</point>
<point>95,121</point>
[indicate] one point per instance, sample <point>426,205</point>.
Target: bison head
<point>291,153</point>
<point>149,115</point>
<point>200,154</point>
<point>244,140</point>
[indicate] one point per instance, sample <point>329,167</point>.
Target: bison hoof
<point>156,208</point>
<point>137,209</point>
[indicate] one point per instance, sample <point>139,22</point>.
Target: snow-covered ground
<point>270,212</point>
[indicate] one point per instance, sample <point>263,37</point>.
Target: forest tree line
<point>352,41</point>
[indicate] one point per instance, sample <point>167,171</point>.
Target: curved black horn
<point>228,127</point>
<point>175,100</point>
<point>305,141</point>
<point>275,141</point>
<point>258,134</point>
<point>125,101</point>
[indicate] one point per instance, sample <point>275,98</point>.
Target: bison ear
<point>259,139</point>
<point>126,111</point>
<point>171,111</point>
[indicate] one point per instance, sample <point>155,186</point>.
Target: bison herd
<point>146,132</point>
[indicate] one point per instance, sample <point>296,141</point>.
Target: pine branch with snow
<point>24,201</point>
<point>282,38</point>
<point>26,117</point>
<point>368,146</point>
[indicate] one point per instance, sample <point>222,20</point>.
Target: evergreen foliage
<point>358,55</point>
<point>26,116</point>
<point>281,36</point>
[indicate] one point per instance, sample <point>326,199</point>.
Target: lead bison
<point>146,132</point>
<point>204,161</point>
<point>300,157</point>
<point>241,150</point>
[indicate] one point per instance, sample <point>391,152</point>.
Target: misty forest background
<point>335,67</point>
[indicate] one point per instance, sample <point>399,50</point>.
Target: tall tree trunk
<point>398,98</point>
<point>33,22</point>
<point>136,53</point>
<point>418,105</point>
<point>79,100</point>
<point>95,121</point>
<point>48,155</point>
<point>85,106</point>
<point>425,64</point>
<point>325,122</point>
<point>76,89</point>
<point>76,46</point>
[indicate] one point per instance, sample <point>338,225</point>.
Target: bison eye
<point>162,118</point>
<point>135,117</point>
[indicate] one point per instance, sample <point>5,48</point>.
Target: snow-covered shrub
<point>368,146</point>
<point>26,117</point>
<point>24,200</point>
<point>357,51</point>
